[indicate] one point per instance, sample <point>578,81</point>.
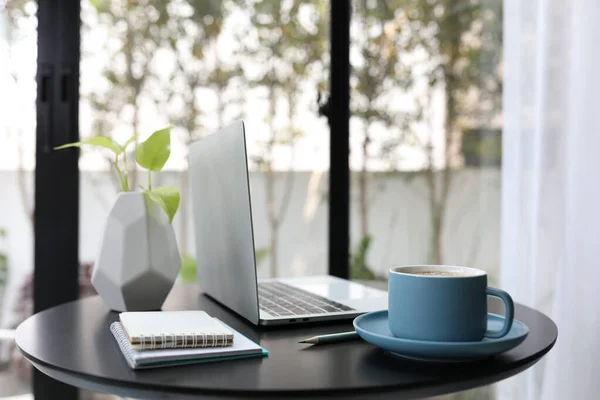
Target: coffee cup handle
<point>510,312</point>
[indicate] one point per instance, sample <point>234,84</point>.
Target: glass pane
<point>18,52</point>
<point>198,66</point>
<point>426,136</point>
<point>284,62</point>
<point>426,133</point>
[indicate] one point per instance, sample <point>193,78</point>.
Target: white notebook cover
<point>242,348</point>
<point>153,326</point>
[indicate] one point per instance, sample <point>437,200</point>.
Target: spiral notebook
<point>174,329</point>
<point>242,347</point>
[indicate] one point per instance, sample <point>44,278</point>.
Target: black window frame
<point>56,207</point>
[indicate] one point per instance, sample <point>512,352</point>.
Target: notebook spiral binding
<point>182,340</point>
<point>123,343</point>
<point>149,342</point>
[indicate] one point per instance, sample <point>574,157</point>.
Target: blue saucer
<point>373,328</point>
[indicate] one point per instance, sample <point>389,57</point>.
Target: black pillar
<point>339,123</point>
<point>56,214</point>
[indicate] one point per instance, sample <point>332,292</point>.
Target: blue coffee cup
<point>443,303</point>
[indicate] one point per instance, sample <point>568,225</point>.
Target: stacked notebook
<point>157,339</point>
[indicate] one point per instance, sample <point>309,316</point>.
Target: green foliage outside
<point>447,47</point>
<point>358,262</point>
<point>187,273</point>
<point>482,147</point>
<point>3,271</point>
<point>3,274</point>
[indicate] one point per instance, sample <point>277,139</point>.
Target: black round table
<point>72,343</point>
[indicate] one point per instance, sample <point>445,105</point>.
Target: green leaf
<point>101,5</point>
<point>98,141</point>
<point>358,261</point>
<point>167,197</point>
<point>188,268</point>
<point>155,151</point>
<point>130,140</point>
<point>261,254</point>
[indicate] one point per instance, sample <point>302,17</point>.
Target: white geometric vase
<point>138,260</point>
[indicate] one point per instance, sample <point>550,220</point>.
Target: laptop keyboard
<point>279,299</point>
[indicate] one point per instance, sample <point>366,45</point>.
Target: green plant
<point>188,268</point>
<point>482,147</point>
<point>3,271</point>
<point>358,261</point>
<point>151,154</point>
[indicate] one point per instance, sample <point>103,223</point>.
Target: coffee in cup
<point>439,273</point>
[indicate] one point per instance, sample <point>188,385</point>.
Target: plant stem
<point>149,180</point>
<point>126,173</point>
<point>123,183</point>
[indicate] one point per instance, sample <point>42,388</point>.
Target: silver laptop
<point>226,262</point>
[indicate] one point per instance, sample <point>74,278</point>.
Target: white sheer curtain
<point>551,187</point>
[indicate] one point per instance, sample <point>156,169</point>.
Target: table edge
<point>485,380</point>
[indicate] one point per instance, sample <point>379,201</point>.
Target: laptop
<point>224,239</point>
